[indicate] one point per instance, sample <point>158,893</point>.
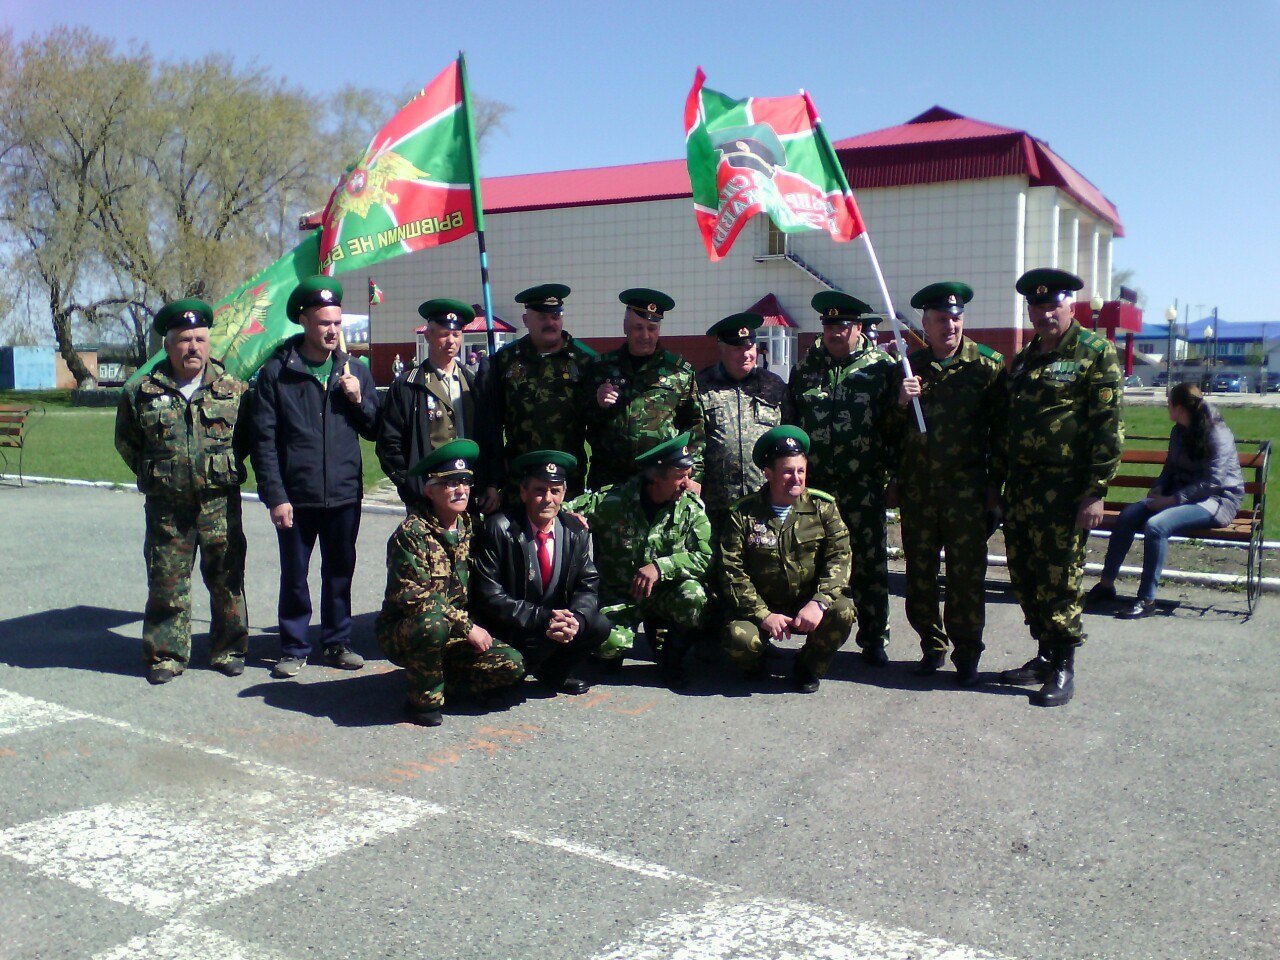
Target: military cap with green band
<point>783,441</point>
<point>552,465</point>
<point>544,298</point>
<point>1045,285</point>
<point>447,461</point>
<point>186,314</point>
<point>949,296</point>
<point>646,302</point>
<point>448,313</point>
<point>668,453</point>
<point>737,329</point>
<point>836,307</point>
<point>313,292</point>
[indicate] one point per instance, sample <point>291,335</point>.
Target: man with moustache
<point>313,404</point>
<point>434,404</point>
<point>531,390</point>
<point>944,482</point>
<point>1065,431</point>
<point>536,585</point>
<point>841,395</point>
<point>183,430</point>
<point>424,625</point>
<point>639,395</point>
<point>785,557</point>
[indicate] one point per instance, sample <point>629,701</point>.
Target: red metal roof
<point>659,180</point>
<point>773,312</point>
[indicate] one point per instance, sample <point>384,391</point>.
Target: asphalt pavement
<point>886,816</point>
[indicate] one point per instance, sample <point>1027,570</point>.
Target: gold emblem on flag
<point>366,185</point>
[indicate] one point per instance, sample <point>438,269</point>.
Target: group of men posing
<point>726,504</point>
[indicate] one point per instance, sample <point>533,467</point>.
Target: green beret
<point>669,453</point>
<point>313,292</point>
<point>837,307</point>
<point>553,465</point>
<point>649,303</point>
<point>452,459</point>
<point>544,298</point>
<point>784,441</point>
<point>736,329</point>
<point>450,314</point>
<point>1045,285</point>
<point>187,314</point>
<point>949,296</point>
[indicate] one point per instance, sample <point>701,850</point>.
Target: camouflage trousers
<point>745,643</point>
<point>1046,556</point>
<point>863,513</point>
<point>176,529</point>
<point>678,603</point>
<point>953,520</point>
<point>437,665</point>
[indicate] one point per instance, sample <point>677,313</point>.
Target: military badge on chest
<point>762,537</point>
<point>435,409</point>
<point>1061,371</point>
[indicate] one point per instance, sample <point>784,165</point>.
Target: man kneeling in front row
<point>424,625</point>
<point>785,562</point>
<point>536,584</point>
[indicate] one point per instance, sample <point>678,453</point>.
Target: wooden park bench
<point>1139,468</point>
<point>13,432</point>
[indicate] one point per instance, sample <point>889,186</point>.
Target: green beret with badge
<point>313,292</point>
<point>449,461</point>
<point>1046,286</point>
<point>737,330</point>
<point>836,307</point>
<point>550,465</point>
<point>650,304</point>
<point>183,314</point>
<point>544,298</point>
<point>669,453</point>
<point>949,296</point>
<point>783,441</point>
<point>445,312</point>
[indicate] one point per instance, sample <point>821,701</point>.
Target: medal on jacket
<point>762,536</point>
<point>433,412</point>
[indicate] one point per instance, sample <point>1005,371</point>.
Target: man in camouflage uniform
<point>424,625</point>
<point>785,554</point>
<point>531,389</point>
<point>1064,436</point>
<point>944,485</point>
<point>183,432</point>
<point>652,548</point>
<point>841,394</point>
<point>639,395</point>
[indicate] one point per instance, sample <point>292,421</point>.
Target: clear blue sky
<point>1171,108</point>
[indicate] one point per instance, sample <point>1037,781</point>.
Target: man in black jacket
<point>536,586</point>
<point>313,404</point>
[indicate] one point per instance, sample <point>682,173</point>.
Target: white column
<point>1072,264</point>
<point>1098,286</point>
<point>1054,227</point>
<point>1019,259</point>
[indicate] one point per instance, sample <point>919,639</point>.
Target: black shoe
<point>967,671</point>
<point>424,716</point>
<point>1137,610</point>
<point>804,679</point>
<point>930,663</point>
<point>232,668</point>
<point>1099,594</point>
<point>159,675</point>
<point>1060,684</point>
<point>344,658</point>
<point>1035,670</point>
<point>671,659</point>
<point>875,656</point>
<point>572,686</point>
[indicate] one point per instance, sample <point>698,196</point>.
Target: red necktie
<point>544,556</point>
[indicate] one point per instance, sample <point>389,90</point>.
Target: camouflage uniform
<point>1064,435</point>
<point>943,478</point>
<point>424,622</point>
<point>188,457</point>
<point>842,405</point>
<point>677,541</point>
<point>657,400</point>
<point>777,566</point>
<point>532,403</point>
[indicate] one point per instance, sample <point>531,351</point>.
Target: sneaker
<point>287,668</point>
<point>344,658</point>
<point>232,667</point>
<point>160,674</point>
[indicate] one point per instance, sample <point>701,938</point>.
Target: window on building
<point>778,345</point>
<point>776,243</point>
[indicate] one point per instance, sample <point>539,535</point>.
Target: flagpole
<point>477,206</point>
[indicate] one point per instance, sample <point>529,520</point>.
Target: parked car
<point>1132,380</point>
<point>1230,383</point>
<point>1161,379</point>
<point>1269,382</point>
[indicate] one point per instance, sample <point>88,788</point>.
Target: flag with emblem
<point>375,293</point>
<point>765,155</point>
<point>411,188</point>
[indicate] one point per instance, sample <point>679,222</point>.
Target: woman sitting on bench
<point>1200,486</point>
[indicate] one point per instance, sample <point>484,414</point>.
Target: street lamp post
<point>1095,305</point>
<point>1211,350</point>
<point>1170,316</point>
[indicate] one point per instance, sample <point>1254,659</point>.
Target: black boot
<point>1035,670</point>
<point>671,658</point>
<point>1061,683</point>
<point>804,679</point>
<point>966,668</point>
<point>930,663</point>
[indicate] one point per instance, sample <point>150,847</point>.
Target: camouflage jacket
<point>963,400</point>
<point>842,405</point>
<point>180,448</point>
<point>677,542</point>
<point>771,565</point>
<point>657,399</point>
<point>532,402</point>
<point>428,572</point>
<point>1064,412</point>
<point>736,413</point>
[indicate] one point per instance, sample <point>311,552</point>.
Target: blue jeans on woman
<point>1156,528</point>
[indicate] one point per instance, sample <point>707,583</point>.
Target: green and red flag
<point>411,188</point>
<point>763,155</point>
<point>375,293</point>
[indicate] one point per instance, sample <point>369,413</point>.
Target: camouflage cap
<point>553,465</point>
<point>837,307</point>
<point>313,292</point>
<point>544,298</point>
<point>450,314</point>
<point>447,461</point>
<point>784,441</point>
<point>949,296</point>
<point>187,314</point>
<point>1045,285</point>
<point>668,453</point>
<point>737,329</point>
<point>651,304</point>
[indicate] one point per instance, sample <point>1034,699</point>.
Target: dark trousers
<point>336,529</point>
<point>549,661</point>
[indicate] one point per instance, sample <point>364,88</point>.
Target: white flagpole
<point>897,326</point>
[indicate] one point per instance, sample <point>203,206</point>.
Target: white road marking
<point>619,860</point>
<point>19,713</point>
<point>182,940</point>
<point>759,929</point>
